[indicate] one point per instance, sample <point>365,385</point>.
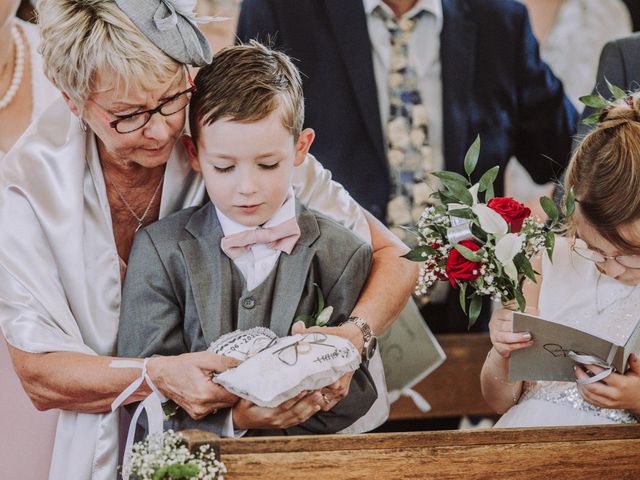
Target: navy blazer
<point>493,83</point>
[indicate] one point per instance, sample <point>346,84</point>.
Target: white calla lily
<point>490,220</point>
<point>508,247</point>
<point>324,316</point>
<point>474,193</point>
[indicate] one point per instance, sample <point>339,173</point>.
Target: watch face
<point>370,348</point>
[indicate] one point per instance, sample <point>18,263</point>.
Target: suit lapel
<point>457,56</point>
<point>349,24</point>
<point>292,274</point>
<point>209,273</point>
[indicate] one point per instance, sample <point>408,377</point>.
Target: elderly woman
<point>79,184</point>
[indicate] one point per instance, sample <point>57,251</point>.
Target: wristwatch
<point>370,340</point>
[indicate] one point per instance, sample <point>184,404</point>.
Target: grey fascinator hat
<point>171,26</point>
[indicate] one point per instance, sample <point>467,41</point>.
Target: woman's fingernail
<point>526,336</point>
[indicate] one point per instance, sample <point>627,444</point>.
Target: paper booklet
<point>557,348</point>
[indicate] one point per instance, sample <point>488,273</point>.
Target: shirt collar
<point>433,7</point>
<point>284,213</point>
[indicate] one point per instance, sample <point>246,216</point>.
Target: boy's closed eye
<point>269,166</point>
<point>221,169</point>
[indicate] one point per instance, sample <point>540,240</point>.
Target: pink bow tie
<point>281,237</point>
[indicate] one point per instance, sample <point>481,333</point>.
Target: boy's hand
<point>186,379</point>
<point>293,412</point>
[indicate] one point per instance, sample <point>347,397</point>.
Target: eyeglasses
<point>170,106</point>
<point>627,261</point>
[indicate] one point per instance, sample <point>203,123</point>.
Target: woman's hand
<point>503,338</point>
<point>186,379</point>
<point>293,412</point>
<point>337,391</point>
<point>614,391</point>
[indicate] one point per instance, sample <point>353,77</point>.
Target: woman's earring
<point>83,124</point>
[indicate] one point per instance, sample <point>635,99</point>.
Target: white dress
<point>575,294</point>
<point>27,435</point>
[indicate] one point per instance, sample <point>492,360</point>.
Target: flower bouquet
<point>482,249</point>
<point>164,456</point>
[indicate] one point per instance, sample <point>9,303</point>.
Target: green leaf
<point>463,213</point>
<point>460,194</point>
<point>467,253</point>
<point>570,203</point>
<point>309,320</point>
<point>489,194</point>
<point>415,254</point>
<point>592,119</point>
<point>522,303</point>
<point>475,307</point>
<point>617,92</point>
<point>446,176</point>
<point>550,208</point>
<point>471,158</point>
<point>594,101</point>
<point>319,299</point>
<point>549,243</point>
<point>523,265</point>
<point>488,178</point>
<point>463,296</point>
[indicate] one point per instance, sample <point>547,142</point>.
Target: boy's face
<point>247,167</point>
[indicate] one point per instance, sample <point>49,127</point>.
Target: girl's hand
<point>616,390</point>
<point>293,412</point>
<point>503,338</point>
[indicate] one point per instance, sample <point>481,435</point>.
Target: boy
<point>252,255</point>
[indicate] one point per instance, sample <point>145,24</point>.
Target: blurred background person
<point>571,34</point>
<point>27,435</point>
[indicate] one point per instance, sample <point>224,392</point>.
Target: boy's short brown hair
<point>247,83</point>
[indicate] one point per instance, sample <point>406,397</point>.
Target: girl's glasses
<point>627,261</point>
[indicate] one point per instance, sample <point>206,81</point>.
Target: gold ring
<point>326,399</point>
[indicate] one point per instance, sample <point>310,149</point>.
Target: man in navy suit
<point>479,73</point>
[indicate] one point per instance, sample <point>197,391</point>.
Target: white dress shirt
<point>424,51</point>
<point>257,263</point>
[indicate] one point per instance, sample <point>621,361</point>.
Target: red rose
<point>459,268</point>
<point>513,212</point>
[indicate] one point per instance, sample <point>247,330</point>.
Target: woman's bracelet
<point>503,381</point>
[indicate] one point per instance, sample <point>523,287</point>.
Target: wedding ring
<point>326,399</point>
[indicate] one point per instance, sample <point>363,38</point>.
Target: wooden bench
<point>453,389</point>
<point>604,452</point>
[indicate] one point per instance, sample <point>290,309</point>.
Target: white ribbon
<point>593,360</point>
<point>152,405</point>
<point>421,403</point>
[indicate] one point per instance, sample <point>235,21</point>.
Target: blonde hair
<point>604,173</point>
<point>83,37</point>
<point>247,83</point>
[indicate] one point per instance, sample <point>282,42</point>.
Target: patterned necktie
<point>281,237</point>
<point>408,150</point>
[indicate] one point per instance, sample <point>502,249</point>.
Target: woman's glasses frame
<point>116,124</point>
<point>600,258</point>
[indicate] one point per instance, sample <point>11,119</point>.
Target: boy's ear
<point>305,139</point>
<point>192,152</point>
<point>71,104</point>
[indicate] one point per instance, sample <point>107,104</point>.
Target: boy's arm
<point>151,317</point>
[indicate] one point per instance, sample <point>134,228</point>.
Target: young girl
<point>592,285</point>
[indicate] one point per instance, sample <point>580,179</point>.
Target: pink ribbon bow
<point>281,237</point>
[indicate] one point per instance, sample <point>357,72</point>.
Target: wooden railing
<point>603,452</point>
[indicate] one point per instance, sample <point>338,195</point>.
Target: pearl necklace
<point>18,70</point>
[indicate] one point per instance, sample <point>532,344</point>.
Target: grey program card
<point>409,351</point>
<point>546,359</point>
